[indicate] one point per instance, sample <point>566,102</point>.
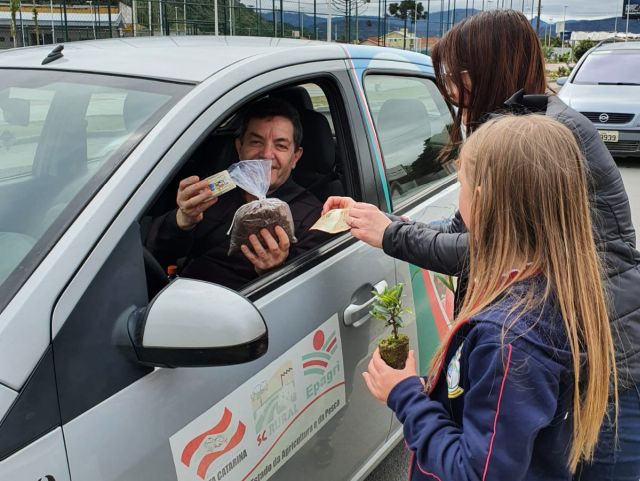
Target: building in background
<point>82,22</point>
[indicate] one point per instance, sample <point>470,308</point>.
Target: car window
<point>411,120</point>
<point>60,133</point>
<point>316,176</point>
<point>22,115</point>
<point>610,67</point>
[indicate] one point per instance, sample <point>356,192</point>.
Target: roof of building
<point>187,58</point>
<point>73,19</point>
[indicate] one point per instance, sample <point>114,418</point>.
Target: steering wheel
<point>156,277</point>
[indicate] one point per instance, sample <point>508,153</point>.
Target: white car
<point>605,87</point>
<point>108,371</point>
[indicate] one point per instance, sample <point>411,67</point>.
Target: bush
<point>581,48</point>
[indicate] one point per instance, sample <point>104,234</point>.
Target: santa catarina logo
<point>205,448</point>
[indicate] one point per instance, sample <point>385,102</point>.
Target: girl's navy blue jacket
<point>500,407</point>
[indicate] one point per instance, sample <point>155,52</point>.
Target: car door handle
<point>357,314</point>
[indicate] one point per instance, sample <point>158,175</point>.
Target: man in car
<point>197,229</point>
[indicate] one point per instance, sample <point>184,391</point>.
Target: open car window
<point>317,175</point>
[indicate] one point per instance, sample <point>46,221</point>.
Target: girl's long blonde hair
<point>532,213</point>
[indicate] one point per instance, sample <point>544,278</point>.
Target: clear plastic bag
<point>254,177</point>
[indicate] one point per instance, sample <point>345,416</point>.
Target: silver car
<point>109,370</point>
<point>605,87</point>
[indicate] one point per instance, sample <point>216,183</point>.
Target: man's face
<point>271,138</point>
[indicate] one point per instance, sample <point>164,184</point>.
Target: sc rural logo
<point>320,363</point>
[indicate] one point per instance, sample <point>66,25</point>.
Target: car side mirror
<point>562,80</point>
<point>193,323</point>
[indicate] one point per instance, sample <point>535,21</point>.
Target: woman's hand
<point>335,202</point>
<point>381,379</point>
<point>368,223</point>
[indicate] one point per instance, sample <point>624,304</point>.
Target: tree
<point>405,10</point>
<point>346,7</point>
<point>555,42</point>
<point>36,25</point>
<point>581,48</point>
<point>14,6</point>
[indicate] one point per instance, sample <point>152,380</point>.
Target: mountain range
<point>437,24</point>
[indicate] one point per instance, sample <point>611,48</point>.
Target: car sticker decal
<point>257,428</point>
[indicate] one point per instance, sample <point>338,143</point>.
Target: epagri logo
<point>317,363</point>
<point>205,448</point>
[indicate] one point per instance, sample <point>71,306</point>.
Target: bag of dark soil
<point>254,177</point>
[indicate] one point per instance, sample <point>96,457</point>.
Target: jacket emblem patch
<point>453,375</point>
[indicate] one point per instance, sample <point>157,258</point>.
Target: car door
<point>300,410</point>
<point>409,119</point>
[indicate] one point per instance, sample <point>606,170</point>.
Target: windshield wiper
<point>618,83</point>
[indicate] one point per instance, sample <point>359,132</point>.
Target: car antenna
<point>55,54</point>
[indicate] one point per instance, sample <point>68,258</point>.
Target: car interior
<point>320,170</point>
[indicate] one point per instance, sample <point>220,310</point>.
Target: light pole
<point>564,27</point>
<point>626,36</point>
<point>329,21</point>
<point>93,18</point>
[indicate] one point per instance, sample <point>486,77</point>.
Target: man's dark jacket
<point>205,246</point>
<point>446,250</point>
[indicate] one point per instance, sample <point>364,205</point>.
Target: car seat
<point>317,168</point>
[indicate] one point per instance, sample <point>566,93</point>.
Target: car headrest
<point>319,153</point>
<point>406,118</point>
<point>297,96</point>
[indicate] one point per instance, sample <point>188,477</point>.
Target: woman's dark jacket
<point>445,250</point>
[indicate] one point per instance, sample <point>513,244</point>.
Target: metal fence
<point>352,21</point>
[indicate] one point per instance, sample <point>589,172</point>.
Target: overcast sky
<point>551,9</point>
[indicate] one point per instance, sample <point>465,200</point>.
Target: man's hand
<point>269,253</point>
<point>335,202</point>
<point>381,379</point>
<point>194,197</point>
<point>367,223</point>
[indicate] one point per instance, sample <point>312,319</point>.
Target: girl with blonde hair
<point>519,389</point>
<point>489,63</point>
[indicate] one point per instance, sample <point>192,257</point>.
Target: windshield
<point>613,67</point>
<point>61,135</point>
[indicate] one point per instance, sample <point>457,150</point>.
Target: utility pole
<point>626,37</point>
<point>329,21</point>
<point>109,13</point>
<point>538,19</point>
<point>53,28</point>
<point>428,19</point>
<point>22,26</point>
<point>564,28</point>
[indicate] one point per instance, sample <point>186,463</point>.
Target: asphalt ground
<point>395,466</point>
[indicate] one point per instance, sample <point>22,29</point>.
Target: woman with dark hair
<point>492,63</point>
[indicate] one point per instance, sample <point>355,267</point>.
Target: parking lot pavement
<point>394,468</point>
<point>630,170</point>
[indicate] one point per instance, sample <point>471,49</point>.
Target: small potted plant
<point>387,307</point>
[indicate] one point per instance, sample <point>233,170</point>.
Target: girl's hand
<point>381,379</point>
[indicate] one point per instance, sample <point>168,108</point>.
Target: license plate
<point>608,135</point>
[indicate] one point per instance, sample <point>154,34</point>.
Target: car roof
<point>189,59</point>
<point>618,46</point>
